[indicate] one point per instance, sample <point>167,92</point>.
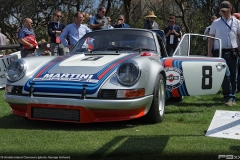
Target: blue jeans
<point>229,85</point>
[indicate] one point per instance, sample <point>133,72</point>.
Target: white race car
<point>111,75</point>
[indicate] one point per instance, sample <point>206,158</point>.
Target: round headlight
<point>16,70</point>
<point>128,73</point>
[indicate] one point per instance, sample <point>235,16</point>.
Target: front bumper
<point>88,110</point>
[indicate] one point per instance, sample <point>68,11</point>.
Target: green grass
<point>181,135</point>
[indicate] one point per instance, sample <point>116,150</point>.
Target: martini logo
<point>174,78</point>
<point>67,77</point>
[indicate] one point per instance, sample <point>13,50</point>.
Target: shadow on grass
<point>235,148</point>
<point>138,145</point>
<point>202,104</point>
<point>16,122</point>
<point>123,147</point>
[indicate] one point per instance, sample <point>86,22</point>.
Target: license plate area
<point>56,114</point>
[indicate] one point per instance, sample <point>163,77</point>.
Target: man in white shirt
<point>227,29</point>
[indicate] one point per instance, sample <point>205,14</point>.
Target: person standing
<point>27,39</point>
<point>206,32</point>
<point>74,31</point>
<point>150,22</point>
<point>227,29</point>
<point>172,33</point>
<point>109,23</point>
<point>99,21</point>
<point>3,40</point>
<point>121,22</point>
<point>55,28</point>
<point>237,16</point>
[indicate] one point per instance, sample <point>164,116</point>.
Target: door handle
<point>220,65</point>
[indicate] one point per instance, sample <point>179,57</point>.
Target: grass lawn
<point>181,135</point>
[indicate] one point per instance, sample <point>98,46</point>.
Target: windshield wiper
<point>116,48</point>
<point>143,49</point>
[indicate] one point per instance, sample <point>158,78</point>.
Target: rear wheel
<point>156,112</point>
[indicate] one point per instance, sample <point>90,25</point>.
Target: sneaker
<point>229,103</point>
<point>234,103</point>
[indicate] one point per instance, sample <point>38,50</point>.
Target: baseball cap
<point>225,5</point>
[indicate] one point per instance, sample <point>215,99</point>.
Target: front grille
<point>17,90</point>
<point>107,93</point>
<point>56,114</point>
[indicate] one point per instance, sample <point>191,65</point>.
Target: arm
<point>168,33</point>
<point>50,30</point>
<point>63,36</point>
<point>210,45</point>
<point>21,40</point>
<point>92,24</point>
<point>176,32</point>
<point>238,42</point>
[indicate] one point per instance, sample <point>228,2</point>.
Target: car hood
<point>69,74</point>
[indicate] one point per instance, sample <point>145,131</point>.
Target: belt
<point>32,49</point>
<point>228,50</point>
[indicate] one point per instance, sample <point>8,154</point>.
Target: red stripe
<point>44,69</point>
<point>168,63</point>
<point>107,70</point>
<point>50,64</point>
<point>175,92</point>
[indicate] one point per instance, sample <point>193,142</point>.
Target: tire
<point>156,112</point>
<point>175,99</point>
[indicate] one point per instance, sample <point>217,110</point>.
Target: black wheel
<point>156,112</point>
<point>175,99</point>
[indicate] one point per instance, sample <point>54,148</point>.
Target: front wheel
<point>156,112</point>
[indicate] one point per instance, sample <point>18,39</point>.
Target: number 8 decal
<point>207,76</point>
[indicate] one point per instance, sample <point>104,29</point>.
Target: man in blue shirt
<point>74,31</point>
<point>99,21</point>
<point>28,49</point>
<point>120,22</point>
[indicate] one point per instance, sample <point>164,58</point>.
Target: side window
<point>194,45</point>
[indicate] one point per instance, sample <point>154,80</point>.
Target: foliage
<point>192,15</point>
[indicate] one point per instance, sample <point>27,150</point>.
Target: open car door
<point>190,71</point>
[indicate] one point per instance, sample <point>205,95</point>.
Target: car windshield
<point>115,41</point>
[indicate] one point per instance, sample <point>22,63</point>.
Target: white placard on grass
<point>225,124</point>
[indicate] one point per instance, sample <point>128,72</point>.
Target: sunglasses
<point>103,12</point>
<point>170,21</point>
<point>58,16</point>
<point>120,19</point>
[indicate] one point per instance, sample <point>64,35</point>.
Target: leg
<point>233,67</point>
<point>54,49</point>
<point>226,85</point>
<point>169,49</point>
<point>61,50</point>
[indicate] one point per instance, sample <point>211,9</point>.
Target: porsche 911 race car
<point>111,75</point>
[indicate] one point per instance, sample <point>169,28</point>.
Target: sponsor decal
<point>174,78</point>
<point>67,77</point>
